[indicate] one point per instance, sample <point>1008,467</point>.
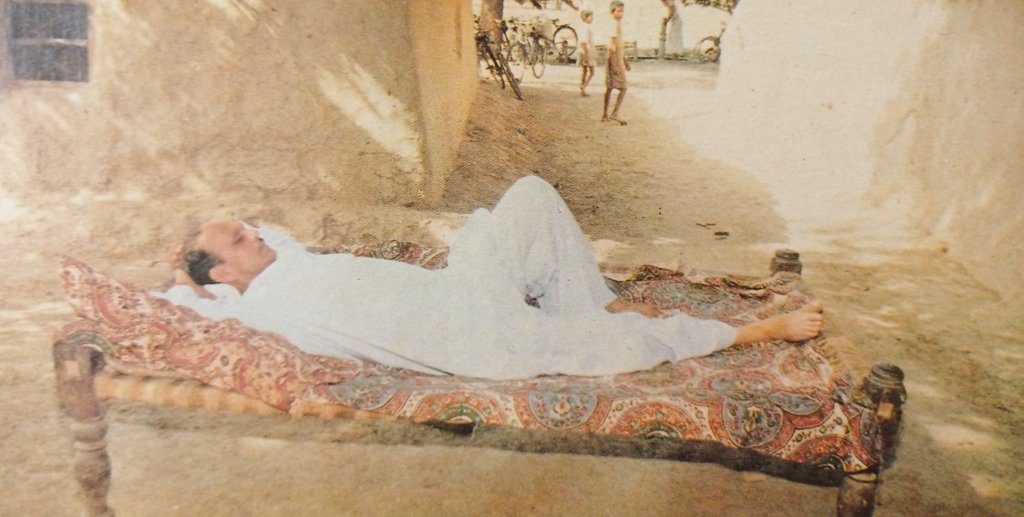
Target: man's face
<point>242,253</point>
<point>618,12</point>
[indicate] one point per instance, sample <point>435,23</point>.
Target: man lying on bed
<point>469,318</point>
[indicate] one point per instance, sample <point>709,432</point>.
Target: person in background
<point>588,57</point>
<point>617,66</point>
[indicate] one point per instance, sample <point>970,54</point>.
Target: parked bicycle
<point>533,49</point>
<point>496,63</point>
<point>513,34</point>
<point>565,41</point>
<point>709,50</point>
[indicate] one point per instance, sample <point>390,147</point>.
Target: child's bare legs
<point>618,104</point>
<point>588,74</point>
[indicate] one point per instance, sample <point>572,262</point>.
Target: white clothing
<point>588,52</point>
<point>470,317</point>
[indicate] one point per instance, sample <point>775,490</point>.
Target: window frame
<point>9,45</point>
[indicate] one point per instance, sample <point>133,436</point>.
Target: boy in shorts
<point>617,66</point>
<point>588,57</point>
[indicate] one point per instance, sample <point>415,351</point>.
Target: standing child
<point>617,66</point>
<point>588,57</point>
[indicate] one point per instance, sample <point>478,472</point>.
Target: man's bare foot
<point>583,93</point>
<point>604,118</point>
<point>804,323</point>
<point>620,121</point>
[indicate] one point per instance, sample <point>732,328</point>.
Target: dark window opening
<point>49,42</point>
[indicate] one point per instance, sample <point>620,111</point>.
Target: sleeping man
<point>469,318</point>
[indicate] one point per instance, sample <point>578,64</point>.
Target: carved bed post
<point>857,495</point>
<point>884,385</point>
<point>885,391</point>
<point>75,363</point>
<point>786,260</point>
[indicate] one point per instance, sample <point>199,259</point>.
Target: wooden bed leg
<point>786,260</point>
<point>75,364</point>
<point>884,385</point>
<point>857,495</point>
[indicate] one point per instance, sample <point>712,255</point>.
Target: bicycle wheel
<point>709,49</point>
<point>566,42</point>
<point>538,58</point>
<point>512,81</point>
<point>518,57</point>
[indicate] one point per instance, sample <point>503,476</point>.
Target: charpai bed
<point>791,410</point>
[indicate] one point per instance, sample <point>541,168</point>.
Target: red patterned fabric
<point>782,399</point>
<point>144,330</point>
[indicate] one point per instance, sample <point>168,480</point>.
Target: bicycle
<point>534,47</point>
<point>515,41</point>
<point>536,50</point>
<point>565,41</point>
<point>496,63</point>
<point>709,49</point>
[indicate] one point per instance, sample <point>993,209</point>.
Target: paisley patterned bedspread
<point>790,401</point>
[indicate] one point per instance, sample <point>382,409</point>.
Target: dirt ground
<point>642,194</point>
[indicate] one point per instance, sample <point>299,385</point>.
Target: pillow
<point>152,332</point>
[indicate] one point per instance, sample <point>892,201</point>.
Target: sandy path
<point>640,191</point>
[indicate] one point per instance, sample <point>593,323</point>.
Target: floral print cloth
<point>787,400</point>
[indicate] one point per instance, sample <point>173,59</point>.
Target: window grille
<point>49,41</point>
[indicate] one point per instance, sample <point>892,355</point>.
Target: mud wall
<point>295,98</point>
<point>445,56</point>
<point>901,118</point>
<point>951,142</point>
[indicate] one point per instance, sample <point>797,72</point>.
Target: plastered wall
<point>900,119</point>
<point>290,98</point>
<point>951,143</point>
<point>445,54</point>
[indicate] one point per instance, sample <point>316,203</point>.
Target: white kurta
<point>470,318</point>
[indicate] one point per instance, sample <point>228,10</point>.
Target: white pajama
<point>470,318</point>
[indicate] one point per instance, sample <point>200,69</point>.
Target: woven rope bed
<point>801,411</point>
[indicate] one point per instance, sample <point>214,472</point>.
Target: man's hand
<point>176,257</point>
<point>182,278</point>
<point>620,305</point>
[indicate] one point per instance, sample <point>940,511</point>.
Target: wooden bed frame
<point>86,380</point>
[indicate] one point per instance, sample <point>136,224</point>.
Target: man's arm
<point>182,278</point>
<point>802,324</point>
<point>620,305</point>
<point>176,258</point>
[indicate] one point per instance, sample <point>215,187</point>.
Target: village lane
<point>642,194</point>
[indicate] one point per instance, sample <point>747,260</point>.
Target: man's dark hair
<point>198,264</point>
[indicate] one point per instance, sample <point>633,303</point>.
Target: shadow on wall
<point>225,95</point>
<point>362,99</point>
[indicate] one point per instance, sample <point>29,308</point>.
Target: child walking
<point>588,56</point>
<point>617,66</point>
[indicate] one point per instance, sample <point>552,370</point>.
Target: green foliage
<point>725,5</point>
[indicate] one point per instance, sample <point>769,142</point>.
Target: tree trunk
<point>490,11</point>
<point>663,33</point>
